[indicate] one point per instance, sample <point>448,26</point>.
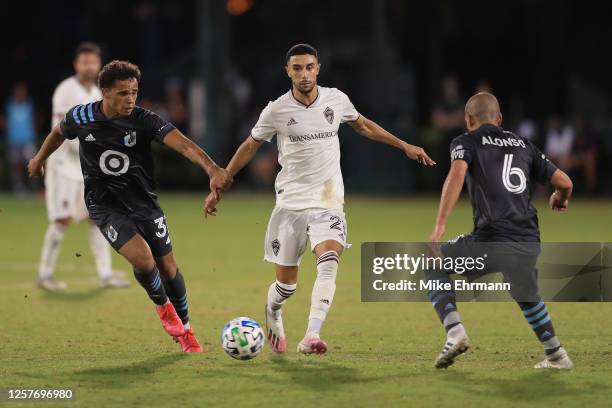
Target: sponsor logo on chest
<point>317,130</point>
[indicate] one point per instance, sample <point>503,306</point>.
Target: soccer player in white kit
<point>309,189</point>
<point>64,181</point>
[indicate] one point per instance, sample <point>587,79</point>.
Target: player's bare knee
<point>327,246</point>
<point>64,222</point>
<point>143,263</point>
<point>167,266</point>
<point>286,274</point>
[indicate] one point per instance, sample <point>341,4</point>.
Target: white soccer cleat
<point>52,284</point>
<point>559,360</point>
<point>312,344</point>
<point>452,349</point>
<point>114,282</point>
<point>275,330</point>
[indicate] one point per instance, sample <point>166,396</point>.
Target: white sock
<point>101,252</point>
<point>50,249</point>
<point>456,332</point>
<point>278,293</point>
<point>323,290</point>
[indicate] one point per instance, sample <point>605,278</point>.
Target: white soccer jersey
<point>308,148</point>
<point>69,93</point>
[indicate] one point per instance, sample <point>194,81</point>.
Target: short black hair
<point>86,48</point>
<point>302,49</point>
<point>117,71</point>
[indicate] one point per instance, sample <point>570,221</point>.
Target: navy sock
<point>151,282</point>
<point>444,303</point>
<point>538,318</point>
<point>177,293</point>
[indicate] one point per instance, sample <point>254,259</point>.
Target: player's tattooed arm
<point>563,190</point>
<point>52,142</point>
<point>220,179</point>
<point>372,130</point>
<point>450,194</point>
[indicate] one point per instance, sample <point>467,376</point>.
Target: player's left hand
<point>437,233</point>
<point>36,168</point>
<point>417,153</point>
<point>556,204</point>
<point>220,179</point>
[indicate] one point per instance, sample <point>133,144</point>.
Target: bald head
<point>480,109</point>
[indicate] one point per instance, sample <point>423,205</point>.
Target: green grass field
<point>109,346</point>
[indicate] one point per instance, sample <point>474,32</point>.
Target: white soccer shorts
<point>64,197</point>
<point>288,232</point>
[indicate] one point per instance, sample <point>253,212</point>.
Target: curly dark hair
<point>117,71</point>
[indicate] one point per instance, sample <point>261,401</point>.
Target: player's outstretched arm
<point>371,130</point>
<point>220,179</point>
<point>563,190</point>
<point>241,158</point>
<point>243,155</point>
<point>450,194</point>
<point>52,142</point>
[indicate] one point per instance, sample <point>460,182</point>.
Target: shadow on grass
<point>115,376</point>
<point>72,296</point>
<point>310,372</point>
<point>123,376</point>
<point>536,387</point>
<point>318,374</point>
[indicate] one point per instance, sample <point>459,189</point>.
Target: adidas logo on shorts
<point>90,138</point>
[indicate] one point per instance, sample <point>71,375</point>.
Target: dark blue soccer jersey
<point>115,156</point>
<point>502,169</point>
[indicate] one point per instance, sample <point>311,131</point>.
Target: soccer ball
<point>242,338</point>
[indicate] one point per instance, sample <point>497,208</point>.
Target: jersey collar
<point>490,127</point>
<point>294,99</point>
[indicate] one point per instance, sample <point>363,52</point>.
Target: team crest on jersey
<point>276,246</point>
<point>112,233</point>
<point>329,115</point>
<point>130,138</point>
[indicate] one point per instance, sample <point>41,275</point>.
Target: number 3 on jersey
<point>509,171</point>
<point>161,226</point>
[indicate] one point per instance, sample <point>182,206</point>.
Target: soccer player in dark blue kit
<point>115,139</point>
<point>501,168</point>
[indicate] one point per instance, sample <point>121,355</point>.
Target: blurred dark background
<point>211,66</point>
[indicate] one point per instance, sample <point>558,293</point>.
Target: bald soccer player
<point>501,168</point>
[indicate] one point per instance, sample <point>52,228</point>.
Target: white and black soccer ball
<point>242,338</point>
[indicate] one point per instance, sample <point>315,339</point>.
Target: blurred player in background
<point>64,180</point>
<point>309,188</point>
<point>115,139</point>
<point>20,136</point>
<point>501,169</point>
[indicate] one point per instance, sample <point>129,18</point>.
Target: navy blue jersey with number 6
<point>115,156</point>
<point>502,169</point>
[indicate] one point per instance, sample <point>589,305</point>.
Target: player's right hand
<point>220,179</point>
<point>36,168</point>
<point>417,153</point>
<point>437,233</point>
<point>210,204</point>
